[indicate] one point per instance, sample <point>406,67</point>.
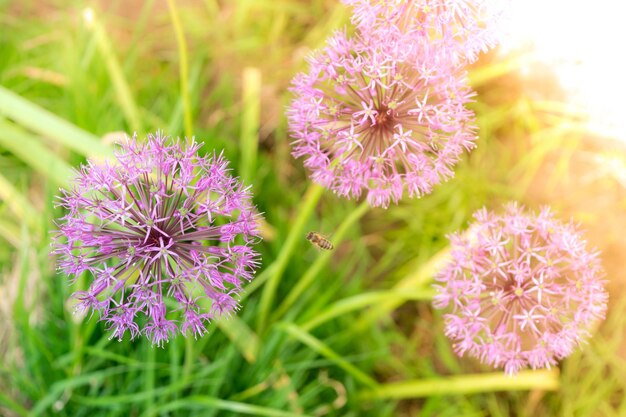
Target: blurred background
<point>76,75</point>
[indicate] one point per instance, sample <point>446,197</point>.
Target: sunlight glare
<point>581,42</point>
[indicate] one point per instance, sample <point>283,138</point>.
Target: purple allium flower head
<point>522,289</point>
<point>456,30</point>
<point>380,117</point>
<point>161,226</point>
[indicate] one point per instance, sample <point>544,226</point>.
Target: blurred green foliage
<point>341,324</point>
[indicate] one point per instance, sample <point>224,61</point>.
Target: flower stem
<point>190,358</point>
<point>311,197</point>
<point>416,281</point>
<point>310,275</point>
<point>547,380</point>
<point>183,68</point>
<point>360,301</point>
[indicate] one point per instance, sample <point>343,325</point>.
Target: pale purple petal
<point>520,290</point>
<point>161,221</point>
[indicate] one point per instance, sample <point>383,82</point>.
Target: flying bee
<point>319,241</point>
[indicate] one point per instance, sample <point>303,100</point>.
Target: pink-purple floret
<point>164,235</point>
<point>521,289</point>
<point>383,112</point>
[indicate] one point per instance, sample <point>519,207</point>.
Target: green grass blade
<point>305,210</point>
<point>258,281</point>
<point>116,400</point>
<point>19,205</point>
<point>29,149</point>
<point>10,232</point>
<point>175,123</point>
<point>242,337</point>
<point>99,352</point>
<point>183,68</point>
<point>49,125</point>
<point>204,402</point>
<point>250,122</point>
<point>545,380</point>
<point>321,348</point>
<point>190,358</point>
<point>12,405</point>
<point>413,281</point>
<point>150,379</point>
<point>57,389</point>
<point>120,85</point>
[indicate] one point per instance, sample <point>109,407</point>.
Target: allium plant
<point>456,30</point>
<point>521,289</point>
<point>164,235</point>
<point>380,117</point>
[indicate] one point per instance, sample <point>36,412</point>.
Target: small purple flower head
<point>522,289</point>
<point>455,30</point>
<point>161,226</point>
<point>379,117</point>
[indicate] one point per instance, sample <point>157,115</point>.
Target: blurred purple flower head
<point>161,226</point>
<point>522,289</point>
<point>380,116</point>
<point>455,30</point>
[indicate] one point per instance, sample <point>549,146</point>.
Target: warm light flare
<point>88,16</point>
<point>580,42</point>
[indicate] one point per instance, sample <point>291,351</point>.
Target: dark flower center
<point>155,237</point>
<point>384,119</point>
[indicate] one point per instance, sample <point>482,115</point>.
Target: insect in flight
<point>319,241</point>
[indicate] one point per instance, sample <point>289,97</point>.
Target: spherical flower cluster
<point>456,30</point>
<point>522,289</point>
<point>162,226</point>
<point>381,117</point>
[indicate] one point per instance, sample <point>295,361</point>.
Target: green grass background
<point>343,333</point>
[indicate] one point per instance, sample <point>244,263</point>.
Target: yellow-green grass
<point>342,333</point>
